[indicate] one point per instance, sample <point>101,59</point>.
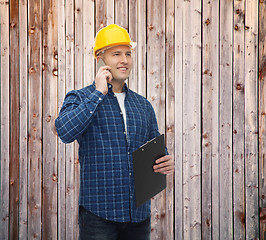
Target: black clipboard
<point>147,182</point>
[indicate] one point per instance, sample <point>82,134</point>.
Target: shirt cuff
<point>96,96</point>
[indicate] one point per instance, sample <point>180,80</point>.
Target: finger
<point>164,164</point>
<point>103,68</point>
<point>164,168</point>
<point>163,159</point>
<point>165,171</point>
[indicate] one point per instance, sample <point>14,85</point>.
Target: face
<point>120,60</point>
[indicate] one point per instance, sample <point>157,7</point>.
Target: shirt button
<point>100,99</point>
<point>128,153</point>
<point>130,174</point>
<point>124,132</point>
<point>110,86</point>
<point>90,111</point>
<point>121,113</point>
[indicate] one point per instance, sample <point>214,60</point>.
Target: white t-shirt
<point>121,101</point>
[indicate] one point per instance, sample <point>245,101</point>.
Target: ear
<point>98,58</point>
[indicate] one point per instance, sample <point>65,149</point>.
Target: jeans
<point>96,228</point>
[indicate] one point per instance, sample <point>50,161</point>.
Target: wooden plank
<point>141,47</point>
<point>262,119</point>
<point>70,170</point>
<point>23,150</point>
<point>251,120</point>
<point>121,13</point>
<point>14,120</point>
<point>61,156</point>
<point>78,44</point>
<point>5,121</point>
<point>78,81</point>
<point>156,93</point>
<point>225,120</point>
<point>101,13</point>
<point>191,119</point>
<point>210,123</point>
<point>110,9</point>
<point>35,119</point>
<point>170,112</point>
<point>238,121</point>
<point>133,31</point>
<point>178,120</point>
<point>50,73</point>
<point>88,42</point>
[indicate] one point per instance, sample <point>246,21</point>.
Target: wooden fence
<point>202,64</point>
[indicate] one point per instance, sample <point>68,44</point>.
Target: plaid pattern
<point>105,150</point>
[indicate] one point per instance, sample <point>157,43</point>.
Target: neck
<point>117,86</point>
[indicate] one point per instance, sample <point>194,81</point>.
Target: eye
<point>128,54</point>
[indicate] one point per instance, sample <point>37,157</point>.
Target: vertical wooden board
<point>110,11</point>
<point>23,134</point>
<point>35,119</point>
<point>70,170</point>
<point>262,119</point>
<point>88,42</point>
<point>133,31</point>
<point>61,149</point>
<point>191,119</point>
<point>251,120</point>
<point>210,115</point>
<point>225,126</point>
<point>14,120</point>
<point>121,13</point>
<point>5,120</point>
<point>101,14</point>
<point>78,79</point>
<point>141,47</point>
<point>121,16</point>
<point>78,44</point>
<point>238,120</point>
<point>156,93</point>
<point>50,73</point>
<point>170,111</point>
<point>178,120</point>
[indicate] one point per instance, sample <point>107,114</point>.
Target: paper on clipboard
<point>147,182</point>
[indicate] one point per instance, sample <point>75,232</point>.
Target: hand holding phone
<point>102,77</point>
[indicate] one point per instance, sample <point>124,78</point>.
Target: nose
<point>124,59</point>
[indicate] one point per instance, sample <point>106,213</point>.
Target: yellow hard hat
<point>112,35</point>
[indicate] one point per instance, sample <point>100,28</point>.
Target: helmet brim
<point>132,45</point>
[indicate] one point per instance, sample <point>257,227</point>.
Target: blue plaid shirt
<point>95,120</point>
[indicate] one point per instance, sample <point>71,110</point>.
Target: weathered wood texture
<point>5,120</point>
<point>210,115</point>
<point>35,114</point>
<point>201,63</point>
<point>262,118</point>
<point>14,120</point>
<point>156,93</point>
<point>49,157</point>
<point>23,135</point>
<point>238,120</point>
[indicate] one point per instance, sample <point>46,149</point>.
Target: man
<point>110,121</point>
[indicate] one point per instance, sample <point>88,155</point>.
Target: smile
<point>123,69</point>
